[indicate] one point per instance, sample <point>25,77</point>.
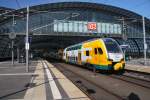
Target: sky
<point>141,7</point>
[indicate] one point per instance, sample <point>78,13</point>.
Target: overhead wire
<point>18,4</point>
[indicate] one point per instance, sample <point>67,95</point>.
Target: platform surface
<point>42,82</point>
<point>138,65</point>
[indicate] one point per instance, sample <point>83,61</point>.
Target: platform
<point>138,65</point>
<point>42,82</point>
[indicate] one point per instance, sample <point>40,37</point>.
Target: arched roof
<point>4,10</point>
<point>71,5</point>
<point>81,5</point>
<point>86,5</point>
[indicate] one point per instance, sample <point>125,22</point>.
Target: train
<point>99,53</point>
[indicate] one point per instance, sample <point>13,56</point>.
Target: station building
<point>57,25</point>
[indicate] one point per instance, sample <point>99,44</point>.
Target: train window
<point>87,53</point>
<point>100,51</point>
<point>95,50</point>
<point>112,46</point>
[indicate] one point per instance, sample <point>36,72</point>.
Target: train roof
<point>79,44</point>
<point>83,42</point>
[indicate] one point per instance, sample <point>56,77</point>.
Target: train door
<point>96,60</point>
<point>79,58</point>
<point>98,55</point>
<point>101,56</point>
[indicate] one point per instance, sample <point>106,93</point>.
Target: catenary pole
<point>124,37</point>
<point>144,39</point>
<point>12,41</point>
<point>27,41</point>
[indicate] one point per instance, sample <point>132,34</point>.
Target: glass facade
<point>82,27</point>
<point>63,21</point>
<point>59,20</point>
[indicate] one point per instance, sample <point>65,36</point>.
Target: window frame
<point>87,53</point>
<point>95,51</point>
<point>101,51</point>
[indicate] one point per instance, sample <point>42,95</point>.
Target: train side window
<point>100,51</point>
<point>87,53</point>
<point>95,50</point>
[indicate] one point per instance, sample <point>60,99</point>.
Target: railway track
<point>94,87</point>
<point>134,77</point>
<point>132,80</point>
<point>138,75</point>
<point>79,82</point>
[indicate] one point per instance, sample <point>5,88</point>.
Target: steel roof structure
<point>5,41</point>
<point>74,5</point>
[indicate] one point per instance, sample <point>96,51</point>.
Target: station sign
<point>92,26</point>
<point>12,35</point>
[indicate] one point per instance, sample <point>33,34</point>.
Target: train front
<point>115,54</point>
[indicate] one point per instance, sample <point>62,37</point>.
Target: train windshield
<point>112,46</point>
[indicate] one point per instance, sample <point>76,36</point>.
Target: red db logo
<point>92,26</point>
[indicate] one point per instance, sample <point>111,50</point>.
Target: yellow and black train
<point>100,53</point>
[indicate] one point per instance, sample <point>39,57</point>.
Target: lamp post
<point>12,36</point>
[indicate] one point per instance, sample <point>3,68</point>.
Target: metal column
<point>12,51</point>
<point>144,40</point>
<point>27,41</point>
<point>124,37</point>
<point>12,41</point>
<point>18,55</point>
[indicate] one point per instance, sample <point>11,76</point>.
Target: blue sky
<point>141,7</point>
